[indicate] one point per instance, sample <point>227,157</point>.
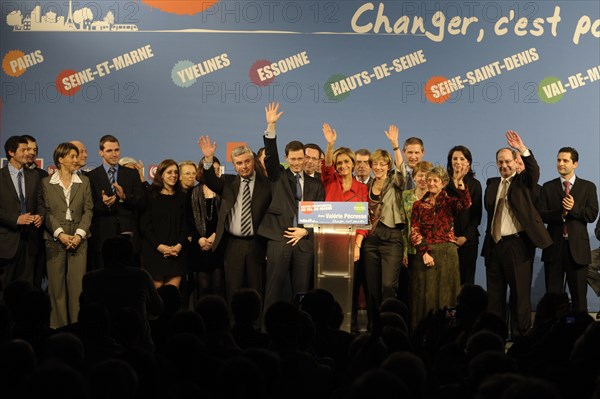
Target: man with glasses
<point>514,229</point>
<point>362,170</point>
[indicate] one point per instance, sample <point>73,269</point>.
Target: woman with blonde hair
<point>382,248</point>
<point>338,181</point>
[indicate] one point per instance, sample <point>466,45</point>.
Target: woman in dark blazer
<point>69,205</point>
<point>466,222</point>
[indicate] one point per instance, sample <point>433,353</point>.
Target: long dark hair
<point>200,169</point>
<point>157,183</point>
<point>465,151</point>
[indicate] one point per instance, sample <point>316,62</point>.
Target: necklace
<point>209,214</point>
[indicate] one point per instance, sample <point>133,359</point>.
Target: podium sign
<point>335,229</point>
<point>346,213</point>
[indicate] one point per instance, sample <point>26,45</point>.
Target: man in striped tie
<point>118,197</point>
<point>245,198</point>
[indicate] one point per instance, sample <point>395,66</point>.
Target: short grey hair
<point>440,172</point>
<point>243,149</point>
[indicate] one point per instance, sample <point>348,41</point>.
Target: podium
<point>335,226</point>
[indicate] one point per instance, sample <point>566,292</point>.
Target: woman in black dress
<point>206,266</point>
<point>163,227</point>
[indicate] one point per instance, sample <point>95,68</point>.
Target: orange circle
<point>60,86</point>
<point>181,7</point>
<point>10,70</point>
<point>429,93</point>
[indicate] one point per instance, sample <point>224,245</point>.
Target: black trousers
<point>286,264</point>
<point>21,266</point>
<point>467,260</point>
<point>576,275</point>
<point>509,266</point>
<point>243,260</point>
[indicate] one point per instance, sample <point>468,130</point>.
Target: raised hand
<point>140,168</point>
<point>272,113</point>
<point>329,133</point>
<point>459,172</point>
<point>514,140</point>
<point>392,135</point>
<point>208,149</point>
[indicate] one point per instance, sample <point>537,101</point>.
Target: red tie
<point>567,185</point>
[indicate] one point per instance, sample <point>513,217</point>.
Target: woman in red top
<point>435,277</point>
<point>339,183</point>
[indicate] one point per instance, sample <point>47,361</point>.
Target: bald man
<point>82,157</point>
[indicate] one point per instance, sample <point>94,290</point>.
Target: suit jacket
<point>584,211</point>
<point>520,201</point>
<point>10,209</point>
<point>228,187</point>
<point>284,205</point>
<point>121,216</point>
<point>80,204</point>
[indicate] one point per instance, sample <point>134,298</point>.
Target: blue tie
<point>111,178</point>
<point>298,188</point>
<point>21,195</point>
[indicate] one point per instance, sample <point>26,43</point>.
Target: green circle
<point>547,89</point>
<point>360,208</point>
<point>329,91</point>
<point>180,66</point>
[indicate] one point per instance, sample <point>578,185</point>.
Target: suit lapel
<point>105,181</point>
<point>74,191</point>
<point>236,186</point>
<point>577,189</point>
<point>57,191</point>
<point>30,190</point>
<point>492,193</point>
<point>8,183</point>
<point>558,187</point>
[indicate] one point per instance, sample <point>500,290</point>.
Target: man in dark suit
<point>290,247</point>
<point>514,229</point>
<point>118,196</point>
<point>21,214</point>
<point>568,203</point>
<point>245,198</point>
